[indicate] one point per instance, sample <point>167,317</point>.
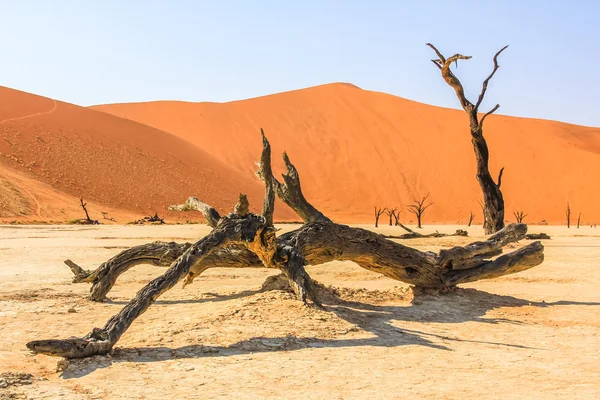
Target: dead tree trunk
<point>578,220</point>
<point>471,217</point>
<point>378,213</point>
<point>87,219</point>
<point>418,208</point>
<point>568,214</point>
<point>493,213</point>
<point>391,214</point>
<point>242,239</point>
<point>396,215</point>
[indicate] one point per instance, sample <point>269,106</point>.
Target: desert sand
<point>531,335</point>
<point>356,149</point>
<point>53,152</point>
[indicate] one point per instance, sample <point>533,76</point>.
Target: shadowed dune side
<point>53,152</point>
<point>357,148</point>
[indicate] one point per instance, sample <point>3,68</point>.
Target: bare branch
<point>441,57</point>
<point>194,204</point>
<point>500,177</point>
<point>267,177</point>
<point>493,110</point>
<point>485,83</point>
<point>450,78</point>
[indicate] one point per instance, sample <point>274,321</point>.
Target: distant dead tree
<point>378,213</point>
<point>391,213</point>
<point>87,219</point>
<point>578,220</point>
<point>493,213</point>
<point>104,214</point>
<point>396,215</point>
<point>471,217</point>
<point>519,215</point>
<point>568,214</point>
<point>419,207</point>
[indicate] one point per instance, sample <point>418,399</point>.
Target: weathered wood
<point>233,229</point>
<point>537,236</point>
<point>493,202</point>
<point>244,239</point>
<point>436,234</point>
<point>193,204</point>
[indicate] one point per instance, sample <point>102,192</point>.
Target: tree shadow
<point>461,305</point>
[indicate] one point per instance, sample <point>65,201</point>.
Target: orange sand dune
<point>356,149</point>
<point>54,152</point>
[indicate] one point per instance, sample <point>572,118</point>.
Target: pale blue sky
<point>91,52</point>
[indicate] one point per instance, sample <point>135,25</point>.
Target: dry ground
<point>533,335</point>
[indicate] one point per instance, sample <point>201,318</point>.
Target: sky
<point>96,52</point>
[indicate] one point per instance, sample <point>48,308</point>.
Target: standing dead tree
<point>418,208</point>
<point>568,214</point>
<point>87,220</point>
<point>396,215</point>
<point>519,216</point>
<point>493,213</point>
<point>471,217</point>
<point>578,220</point>
<point>378,213</point>
<point>242,239</point>
<point>391,213</point>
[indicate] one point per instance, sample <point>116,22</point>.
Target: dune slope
<point>356,149</point>
<point>53,152</point>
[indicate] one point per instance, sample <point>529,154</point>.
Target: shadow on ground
<point>461,305</point>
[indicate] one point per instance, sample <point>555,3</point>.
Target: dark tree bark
<point>578,220</point>
<point>87,220</point>
<point>519,216</point>
<point>537,236</point>
<point>418,208</point>
<point>471,217</point>
<point>391,213</point>
<point>568,214</point>
<point>493,213</point>
<point>396,215</point>
<point>378,213</point>
<point>243,239</point>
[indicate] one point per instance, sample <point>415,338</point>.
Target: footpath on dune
<point>356,149</point>
<point>115,163</point>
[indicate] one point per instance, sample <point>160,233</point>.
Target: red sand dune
<point>52,152</point>
<point>356,149</point>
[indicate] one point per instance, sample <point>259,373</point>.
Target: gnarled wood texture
<point>242,239</point>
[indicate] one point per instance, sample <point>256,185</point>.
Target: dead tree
<point>578,220</point>
<point>519,215</point>
<point>568,214</point>
<point>471,217</point>
<point>493,213</point>
<point>87,220</point>
<point>104,214</point>
<point>378,213</point>
<point>242,239</point>
<point>391,213</point>
<point>418,208</point>
<point>396,215</point>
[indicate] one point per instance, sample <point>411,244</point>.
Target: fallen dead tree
<point>416,235</point>
<point>537,236</point>
<point>242,239</point>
